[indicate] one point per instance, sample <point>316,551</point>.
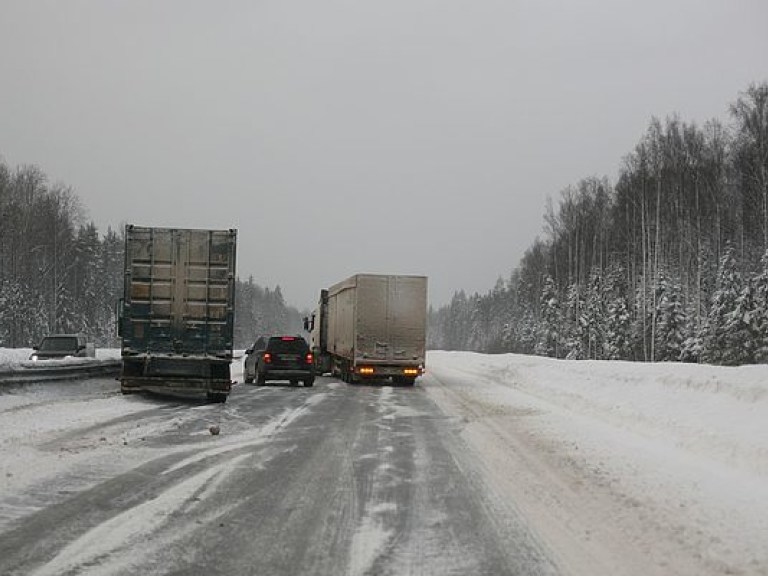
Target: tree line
<point>669,263</point>
<point>59,274</point>
<point>262,311</point>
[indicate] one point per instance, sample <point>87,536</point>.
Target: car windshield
<point>58,344</point>
<point>288,344</point>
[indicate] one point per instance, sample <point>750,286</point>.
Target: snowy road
<point>490,465</point>
<point>327,480</point>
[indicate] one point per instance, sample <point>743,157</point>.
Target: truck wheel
<point>217,398</point>
<point>248,380</point>
<point>309,382</point>
<point>260,380</point>
<point>294,382</point>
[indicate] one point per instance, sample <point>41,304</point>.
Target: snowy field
<point>622,465</point>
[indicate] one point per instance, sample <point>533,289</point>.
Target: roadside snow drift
<point>12,357</point>
<point>640,468</point>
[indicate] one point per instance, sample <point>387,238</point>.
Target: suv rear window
<point>288,344</point>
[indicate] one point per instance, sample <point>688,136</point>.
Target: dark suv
<point>279,358</point>
<point>58,346</point>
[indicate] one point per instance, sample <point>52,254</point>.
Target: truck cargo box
<point>376,325</point>
<point>177,318</point>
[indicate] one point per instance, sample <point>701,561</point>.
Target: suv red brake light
<point>287,338</point>
<point>310,358</point>
<point>267,357</point>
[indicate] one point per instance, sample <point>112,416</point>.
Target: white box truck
<point>371,327</point>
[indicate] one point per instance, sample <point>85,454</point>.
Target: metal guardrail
<point>69,371</point>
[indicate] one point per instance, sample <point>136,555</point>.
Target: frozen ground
<point>638,468</point>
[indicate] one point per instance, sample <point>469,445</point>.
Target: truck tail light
<point>267,358</point>
<point>411,371</point>
<point>309,358</point>
<point>365,370</point>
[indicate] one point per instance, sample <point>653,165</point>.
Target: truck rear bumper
<point>181,386</point>
<point>175,375</point>
<point>375,371</point>
<point>288,374</point>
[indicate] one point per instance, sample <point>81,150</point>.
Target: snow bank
<point>108,353</point>
<point>666,459</point>
<point>11,357</point>
<point>717,412</point>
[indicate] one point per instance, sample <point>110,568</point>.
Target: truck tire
<point>216,398</point>
<point>309,382</point>
<point>260,380</point>
<point>248,380</point>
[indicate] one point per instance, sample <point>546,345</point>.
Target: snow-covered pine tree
<point>642,320</point>
<point>695,336</point>
<point>5,315</point>
<point>85,280</point>
<point>617,321</point>
<point>726,330</point>
<point>477,329</point>
<point>499,310</point>
<point>593,317</point>
<point>670,319</point>
<point>573,325</point>
<point>550,323</point>
<point>741,329</point>
<point>526,333</point>
<point>760,315</point>
<point>110,286</point>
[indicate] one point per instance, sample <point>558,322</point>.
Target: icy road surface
<point>332,479</point>
<point>490,465</point>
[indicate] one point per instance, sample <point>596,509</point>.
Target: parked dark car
<point>58,346</point>
<point>279,358</point>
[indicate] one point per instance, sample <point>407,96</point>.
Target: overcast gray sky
<point>345,136</point>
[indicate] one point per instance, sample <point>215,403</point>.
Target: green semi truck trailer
<point>177,312</point>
